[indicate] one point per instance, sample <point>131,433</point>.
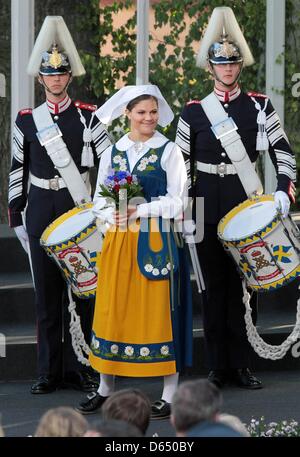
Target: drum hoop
<point>237,209</point>
<point>255,236</point>
<point>279,283</point>
<point>53,225</point>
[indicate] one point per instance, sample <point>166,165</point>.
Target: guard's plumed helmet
<point>54,51</point>
<point>224,51</point>
<point>223,41</point>
<point>54,62</point>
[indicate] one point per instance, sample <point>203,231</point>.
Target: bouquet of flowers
<point>120,185</point>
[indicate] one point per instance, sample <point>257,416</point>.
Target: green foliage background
<point>172,66</point>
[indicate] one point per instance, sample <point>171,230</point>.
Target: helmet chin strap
<point>42,82</point>
<point>220,80</point>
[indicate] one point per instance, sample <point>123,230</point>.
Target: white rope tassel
<point>78,342</point>
<point>87,157</point>
<point>262,142</point>
<point>263,349</point>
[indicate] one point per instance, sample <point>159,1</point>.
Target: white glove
<point>188,229</point>
<point>23,236</point>
<point>104,214</point>
<point>282,202</point>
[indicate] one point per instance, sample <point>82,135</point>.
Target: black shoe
<point>44,385</point>
<point>81,380</point>
<point>92,404</point>
<point>218,377</point>
<point>160,409</point>
<point>243,377</point>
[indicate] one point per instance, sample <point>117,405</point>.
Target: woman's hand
<point>122,218</point>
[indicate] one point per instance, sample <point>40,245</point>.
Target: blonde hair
<point>61,422</point>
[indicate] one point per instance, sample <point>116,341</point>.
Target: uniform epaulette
<point>87,106</point>
<point>256,94</point>
<point>194,102</point>
<point>25,111</point>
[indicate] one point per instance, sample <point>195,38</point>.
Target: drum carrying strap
<point>263,349</point>
<point>225,130</point>
<point>50,136</point>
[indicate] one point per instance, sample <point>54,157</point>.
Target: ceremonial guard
<point>42,186</point>
<point>221,138</point>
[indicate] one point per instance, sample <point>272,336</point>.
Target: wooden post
<point>22,40</point>
<point>275,46</point>
<point>142,44</point>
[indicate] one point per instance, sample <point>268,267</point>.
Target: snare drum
<point>264,245</point>
<point>73,241</point>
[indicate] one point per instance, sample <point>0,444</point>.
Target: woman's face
<point>143,117</point>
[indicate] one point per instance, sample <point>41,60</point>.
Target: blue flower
<point>108,182</point>
<point>121,174</point>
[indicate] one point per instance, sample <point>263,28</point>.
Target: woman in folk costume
<point>143,316</point>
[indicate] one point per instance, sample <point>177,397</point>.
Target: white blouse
<point>167,206</point>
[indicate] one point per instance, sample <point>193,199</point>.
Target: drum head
<point>70,227</point>
<point>249,220</point>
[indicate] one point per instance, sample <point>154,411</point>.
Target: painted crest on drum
<point>74,242</point>
<point>269,257</point>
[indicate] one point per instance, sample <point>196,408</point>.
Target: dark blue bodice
<point>148,170</point>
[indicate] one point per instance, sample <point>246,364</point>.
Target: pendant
<point>138,146</point>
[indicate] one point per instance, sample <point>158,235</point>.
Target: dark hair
<point>113,429</point>
<point>130,405</point>
<point>139,99</point>
<point>194,402</point>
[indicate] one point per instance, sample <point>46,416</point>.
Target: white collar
<point>57,108</point>
<point>156,141</point>
<point>228,96</point>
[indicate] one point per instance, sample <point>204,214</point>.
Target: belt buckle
<point>222,169</point>
<point>54,183</point>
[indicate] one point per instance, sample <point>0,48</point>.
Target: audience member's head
<point>129,405</point>
<point>61,422</point>
<point>233,422</point>
<point>194,402</point>
<point>113,429</point>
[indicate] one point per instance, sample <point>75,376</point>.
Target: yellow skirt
<point>132,329</point>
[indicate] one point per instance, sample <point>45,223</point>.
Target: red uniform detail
<point>194,102</point>
<point>87,106</point>
<point>9,219</point>
<point>25,111</point>
<point>256,94</point>
<point>292,192</point>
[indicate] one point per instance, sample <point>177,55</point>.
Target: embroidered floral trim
<point>123,352</point>
<point>156,269</point>
<point>146,161</point>
<point>121,162</point>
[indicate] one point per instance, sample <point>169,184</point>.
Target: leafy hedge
<point>172,65</point>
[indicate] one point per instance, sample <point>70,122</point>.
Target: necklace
<point>138,146</point>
